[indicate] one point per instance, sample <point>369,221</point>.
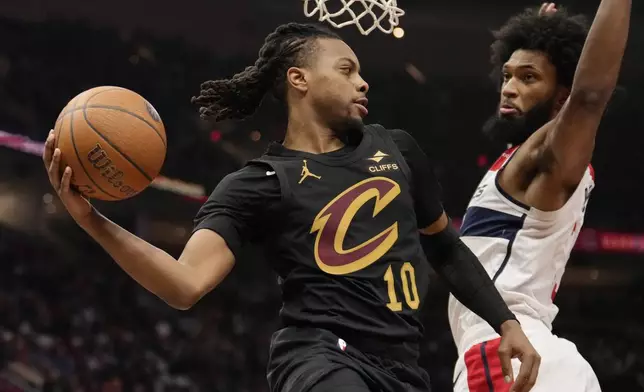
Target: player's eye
<point>530,77</point>
<point>347,67</point>
<point>506,76</point>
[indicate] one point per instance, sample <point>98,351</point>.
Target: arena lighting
<point>415,73</point>
<point>481,161</point>
<point>399,32</point>
<point>16,208</point>
<point>215,136</point>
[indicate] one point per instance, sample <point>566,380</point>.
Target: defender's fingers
<point>535,372</point>
<point>506,363</point>
<point>521,383</point>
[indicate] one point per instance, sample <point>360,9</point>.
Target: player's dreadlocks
<point>558,35</point>
<point>239,97</point>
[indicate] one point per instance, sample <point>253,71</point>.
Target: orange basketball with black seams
<point>114,141</point>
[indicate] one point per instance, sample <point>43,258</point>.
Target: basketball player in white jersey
<point>556,78</point>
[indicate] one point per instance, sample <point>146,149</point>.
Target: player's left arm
<point>460,269</point>
<point>448,255</point>
<point>568,146</point>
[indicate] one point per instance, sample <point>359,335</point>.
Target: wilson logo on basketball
<point>100,161</point>
<point>332,223</point>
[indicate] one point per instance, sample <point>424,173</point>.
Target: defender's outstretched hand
<point>514,344</point>
<point>547,9</point>
<point>79,207</point>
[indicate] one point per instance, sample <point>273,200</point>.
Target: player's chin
<point>509,116</point>
<point>356,122</point>
<point>356,118</point>
<point>349,124</point>
<point>353,115</point>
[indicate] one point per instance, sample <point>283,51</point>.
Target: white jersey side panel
<point>524,251</point>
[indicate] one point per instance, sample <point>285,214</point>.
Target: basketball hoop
<point>375,14</point>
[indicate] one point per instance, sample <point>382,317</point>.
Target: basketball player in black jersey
<point>349,214</point>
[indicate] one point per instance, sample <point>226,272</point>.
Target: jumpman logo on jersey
<point>307,173</point>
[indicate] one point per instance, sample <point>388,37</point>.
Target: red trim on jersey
<point>484,372</point>
<point>554,292</point>
<point>503,158</point>
<point>592,171</point>
<point>475,370</point>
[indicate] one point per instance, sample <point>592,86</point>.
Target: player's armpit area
<point>568,146</point>
<point>238,204</point>
<point>210,260</point>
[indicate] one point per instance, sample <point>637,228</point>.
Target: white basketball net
<point>367,15</point>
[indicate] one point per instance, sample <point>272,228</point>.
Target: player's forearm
<point>569,145</point>
<point>601,58</point>
<point>150,266</point>
<point>465,277</point>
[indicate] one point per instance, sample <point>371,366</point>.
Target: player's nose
<point>509,90</point>
<point>363,86</point>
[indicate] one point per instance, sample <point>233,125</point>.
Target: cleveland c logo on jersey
<point>333,221</point>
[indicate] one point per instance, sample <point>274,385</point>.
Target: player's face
<point>529,97</point>
<point>529,79</point>
<point>336,91</point>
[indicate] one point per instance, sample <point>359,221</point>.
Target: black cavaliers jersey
<point>345,243</point>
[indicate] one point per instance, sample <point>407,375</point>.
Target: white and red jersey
<point>524,250</point>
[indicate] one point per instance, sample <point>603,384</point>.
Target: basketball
<point>114,141</point>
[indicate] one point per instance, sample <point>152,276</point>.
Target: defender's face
<point>529,80</point>
<point>530,97</point>
<point>337,91</point>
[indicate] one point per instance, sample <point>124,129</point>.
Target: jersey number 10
<point>408,280</point>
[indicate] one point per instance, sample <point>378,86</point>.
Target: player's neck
<point>310,136</point>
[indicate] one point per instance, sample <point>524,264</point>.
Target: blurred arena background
<point>70,320</point>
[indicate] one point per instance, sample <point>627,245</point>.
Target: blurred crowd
<point>73,321</point>
<point>80,324</point>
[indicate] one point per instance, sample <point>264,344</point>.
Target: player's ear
<point>297,78</point>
